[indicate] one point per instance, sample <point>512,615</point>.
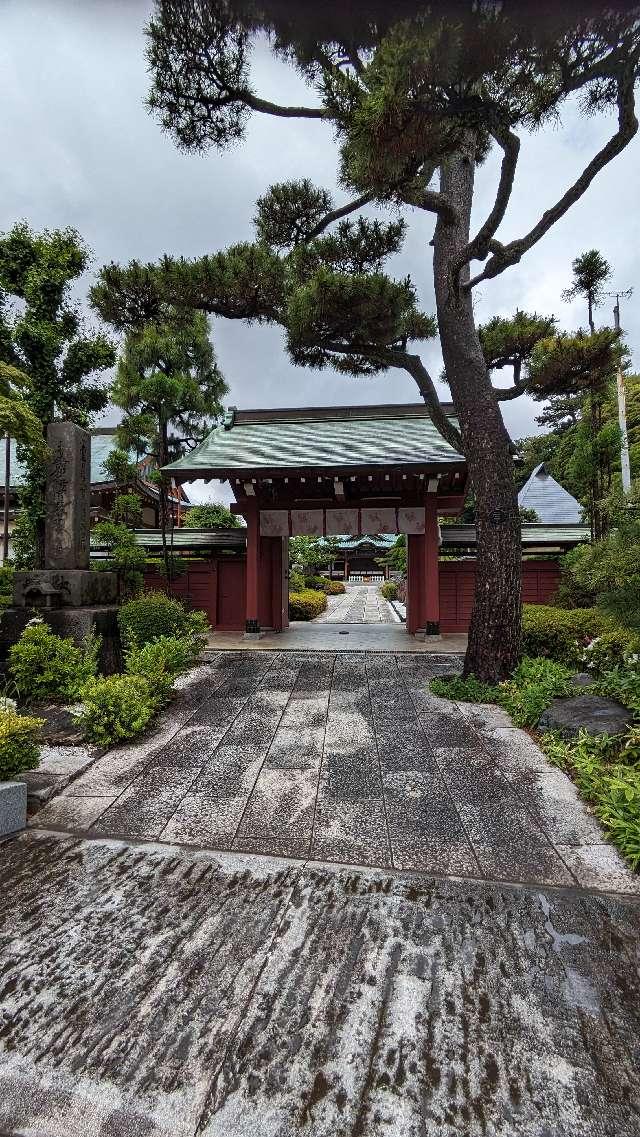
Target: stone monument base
<point>75,623</point>
<point>64,588</point>
<point>97,620</point>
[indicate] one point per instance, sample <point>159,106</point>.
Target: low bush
<point>160,661</point>
<point>45,667</point>
<point>19,744</point>
<point>389,590</point>
<point>563,634</point>
<point>152,615</point>
<point>116,707</point>
<point>335,588</point>
<point>306,605</point>
<point>613,790</point>
<point>323,584</point>
<point>606,770</point>
<point>296,582</point>
<point>534,684</point>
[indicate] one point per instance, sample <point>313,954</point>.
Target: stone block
<point>13,807</point>
<point>78,623</point>
<point>68,497</point>
<point>69,588</point>
<point>593,713</point>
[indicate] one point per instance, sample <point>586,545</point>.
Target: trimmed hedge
<point>562,634</point>
<point>389,590</point>
<point>306,605</point>
<point>154,614</point>
<point>323,584</point>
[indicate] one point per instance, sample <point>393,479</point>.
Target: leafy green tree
<point>169,386</point>
<point>42,335</point>
<point>409,93</point>
<point>210,515</point>
<point>310,553</point>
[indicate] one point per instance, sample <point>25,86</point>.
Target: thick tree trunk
<point>494,634</point>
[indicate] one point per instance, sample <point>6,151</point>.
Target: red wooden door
<point>231,594</point>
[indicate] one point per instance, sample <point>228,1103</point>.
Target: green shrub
<point>296,582</point>
<point>335,588</point>
<point>116,707</point>
<point>469,690</point>
<point>46,667</point>
<point>19,745</point>
<point>317,583</point>
<point>6,585</point>
<point>613,790</point>
<point>534,684</point>
<point>306,605</point>
<point>563,634</point>
<point>389,590</point>
<point>147,617</point>
<point>160,661</point>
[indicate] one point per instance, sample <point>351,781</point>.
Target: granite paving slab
<point>344,757</point>
<point>173,993</point>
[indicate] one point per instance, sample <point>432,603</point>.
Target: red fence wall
<point>218,588</point>
<point>457,583</point>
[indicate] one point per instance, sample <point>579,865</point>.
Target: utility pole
<point>622,409</point>
<point>7,489</point>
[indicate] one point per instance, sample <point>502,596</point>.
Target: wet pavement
<point>344,758</point>
<point>159,992</point>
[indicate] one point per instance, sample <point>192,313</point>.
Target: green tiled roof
<point>331,438</point>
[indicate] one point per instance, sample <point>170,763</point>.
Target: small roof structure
<point>323,439</point>
<point>553,504</point>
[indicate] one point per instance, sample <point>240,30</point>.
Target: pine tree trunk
<point>494,635</point>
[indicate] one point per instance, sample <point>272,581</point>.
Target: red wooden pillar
<point>346,569</point>
<point>431,581</point>
<point>415,574</point>
<point>252,620</point>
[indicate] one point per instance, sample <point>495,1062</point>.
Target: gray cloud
<point>80,149</point>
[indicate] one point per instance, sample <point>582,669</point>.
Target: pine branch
<point>478,247</point>
<point>336,214</point>
<point>506,255</point>
<point>266,107</point>
<point>415,367</point>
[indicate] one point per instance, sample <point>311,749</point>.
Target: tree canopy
<point>42,335</point>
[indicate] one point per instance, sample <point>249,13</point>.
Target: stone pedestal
<point>64,588</point>
<point>78,623</point>
<point>13,807</point>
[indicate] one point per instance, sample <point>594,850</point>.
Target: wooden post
<point>346,569</point>
<point>252,620</point>
<point>431,578</point>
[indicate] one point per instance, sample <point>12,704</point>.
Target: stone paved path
<point>360,604</point>
<point>344,758</point>
<point>154,992</point>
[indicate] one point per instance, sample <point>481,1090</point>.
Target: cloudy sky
<point>79,148</point>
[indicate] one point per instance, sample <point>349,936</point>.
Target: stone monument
<point>74,599</point>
